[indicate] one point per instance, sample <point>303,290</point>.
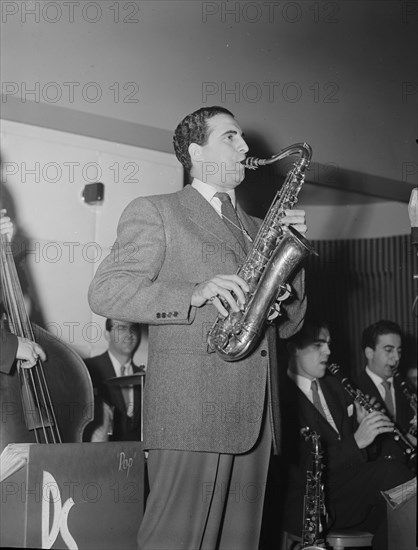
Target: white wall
<point>44,174</point>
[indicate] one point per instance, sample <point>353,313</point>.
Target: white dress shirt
<point>304,384</point>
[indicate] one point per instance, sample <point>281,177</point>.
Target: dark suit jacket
<point>194,400</point>
<point>9,345</point>
<point>125,428</point>
<point>340,449</point>
<point>341,454</point>
<point>352,483</point>
<point>385,444</point>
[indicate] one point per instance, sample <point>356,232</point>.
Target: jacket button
<point>263,353</point>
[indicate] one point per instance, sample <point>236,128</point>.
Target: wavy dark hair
<point>307,335</point>
<point>194,129</point>
<point>372,332</point>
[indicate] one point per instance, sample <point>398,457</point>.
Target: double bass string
<point>35,396</point>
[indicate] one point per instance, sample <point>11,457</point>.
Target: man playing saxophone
<point>209,425</point>
<point>352,482</point>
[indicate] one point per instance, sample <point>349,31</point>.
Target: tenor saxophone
<point>274,257</point>
<point>313,503</point>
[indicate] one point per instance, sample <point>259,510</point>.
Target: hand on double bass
<point>29,352</point>
<point>6,225</point>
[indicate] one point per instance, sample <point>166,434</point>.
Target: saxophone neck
<point>304,150</point>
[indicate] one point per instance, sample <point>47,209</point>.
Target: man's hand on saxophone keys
<point>229,289</point>
<point>295,218</point>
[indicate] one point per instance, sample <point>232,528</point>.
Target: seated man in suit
<point>382,347</point>
<point>117,408</point>
<point>317,400</point>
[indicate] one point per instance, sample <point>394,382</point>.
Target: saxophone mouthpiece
<point>251,163</point>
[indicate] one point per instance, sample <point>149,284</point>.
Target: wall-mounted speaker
<point>93,193</point>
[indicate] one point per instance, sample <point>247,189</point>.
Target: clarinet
<point>407,447</point>
<point>313,502</point>
<point>410,397</point>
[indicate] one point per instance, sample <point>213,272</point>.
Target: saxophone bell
<point>276,254</point>
<point>314,502</point>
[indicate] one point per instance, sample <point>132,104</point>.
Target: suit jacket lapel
<point>369,387</point>
<point>206,218</point>
<point>311,416</point>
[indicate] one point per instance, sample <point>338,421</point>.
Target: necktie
<point>315,398</point>
<point>127,392</point>
<point>388,398</point>
<point>231,219</point>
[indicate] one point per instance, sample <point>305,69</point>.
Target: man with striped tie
<point>382,347</point>
<point>210,425</point>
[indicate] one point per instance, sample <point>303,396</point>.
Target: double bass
<point>51,402</point>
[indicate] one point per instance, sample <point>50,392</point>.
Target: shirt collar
<point>303,383</point>
<point>376,378</point>
<point>116,363</point>
<point>208,192</point>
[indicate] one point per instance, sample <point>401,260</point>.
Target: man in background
<point>352,482</point>
<point>117,407</point>
<point>382,347</point>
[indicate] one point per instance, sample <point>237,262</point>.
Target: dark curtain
<point>353,283</point>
